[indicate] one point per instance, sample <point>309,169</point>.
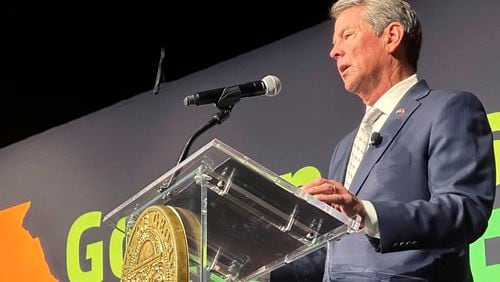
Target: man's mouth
<point>343,69</point>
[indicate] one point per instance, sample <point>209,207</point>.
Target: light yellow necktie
<point>361,143</point>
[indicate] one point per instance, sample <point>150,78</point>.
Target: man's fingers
<point>331,198</point>
<point>325,188</point>
<point>337,184</point>
<point>315,182</point>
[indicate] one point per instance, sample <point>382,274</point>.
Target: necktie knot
<point>371,115</point>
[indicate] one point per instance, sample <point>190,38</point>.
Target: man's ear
<point>393,35</point>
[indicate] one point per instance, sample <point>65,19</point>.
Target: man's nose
<point>336,52</point>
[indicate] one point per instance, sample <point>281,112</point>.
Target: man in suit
<point>424,187</point>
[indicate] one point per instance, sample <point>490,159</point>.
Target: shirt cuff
<point>371,220</point>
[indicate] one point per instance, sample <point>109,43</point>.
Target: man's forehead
<point>340,28</point>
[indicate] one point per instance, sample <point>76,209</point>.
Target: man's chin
<point>349,87</point>
<point>352,85</point>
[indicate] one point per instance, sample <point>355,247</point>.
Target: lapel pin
<point>400,111</point>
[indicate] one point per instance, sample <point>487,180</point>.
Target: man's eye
<point>347,35</point>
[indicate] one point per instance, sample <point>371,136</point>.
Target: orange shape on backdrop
<point>21,256</point>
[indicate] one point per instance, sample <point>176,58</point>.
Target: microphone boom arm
<point>217,118</point>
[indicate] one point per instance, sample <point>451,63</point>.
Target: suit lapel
<point>391,128</point>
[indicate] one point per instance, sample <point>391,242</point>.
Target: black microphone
<point>269,86</point>
<point>375,139</point>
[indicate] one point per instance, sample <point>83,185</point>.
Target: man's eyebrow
<point>341,31</point>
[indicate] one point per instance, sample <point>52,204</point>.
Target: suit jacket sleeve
<point>461,184</point>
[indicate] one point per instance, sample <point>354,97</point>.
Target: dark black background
<point>64,61</point>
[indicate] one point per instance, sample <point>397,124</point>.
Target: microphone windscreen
<point>376,139</point>
<point>273,85</point>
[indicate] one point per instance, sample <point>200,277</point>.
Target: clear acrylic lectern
<point>241,220</point>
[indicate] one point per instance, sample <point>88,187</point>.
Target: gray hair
<point>380,13</point>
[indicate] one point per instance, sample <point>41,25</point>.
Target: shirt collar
<point>391,98</point>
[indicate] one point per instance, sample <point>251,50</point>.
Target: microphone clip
<point>230,96</point>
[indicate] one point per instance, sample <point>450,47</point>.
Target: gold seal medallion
<point>157,248</point>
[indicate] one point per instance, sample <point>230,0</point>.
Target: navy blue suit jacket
<point>432,183</point>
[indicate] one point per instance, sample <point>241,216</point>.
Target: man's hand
<point>337,196</point>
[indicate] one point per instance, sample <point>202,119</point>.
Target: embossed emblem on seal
<point>157,248</point>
